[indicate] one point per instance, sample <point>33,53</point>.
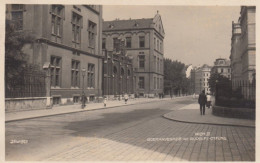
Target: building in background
<point>243,47</point>
<point>243,50</point>
<point>144,43</point>
<point>68,44</point>
<point>118,72</point>
<point>200,76</point>
<point>222,66</point>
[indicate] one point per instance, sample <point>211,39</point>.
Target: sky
<point>194,35</point>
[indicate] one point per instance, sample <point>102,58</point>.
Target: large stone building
<point>144,43</point>
<point>243,47</point>
<point>68,44</point>
<point>200,77</point>
<point>222,66</point>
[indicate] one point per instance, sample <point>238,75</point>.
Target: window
<point>158,83</point>
<point>75,99</point>
<point>104,43</point>
<point>222,70</point>
<point>55,71</point>
<point>56,100</point>
<point>128,42</point>
<point>122,72</point>
<point>141,61</point>
<point>229,70</point>
<point>115,70</point>
<point>92,31</point>
<point>76,26</point>
<point>17,15</point>
<point>158,64</point>
<point>141,42</point>
<point>116,44</point>
<point>154,82</point>
<point>91,75</point>
<point>141,82</point>
<point>74,73</point>
<point>56,20</point>
<point>157,44</point>
<point>154,43</point>
<point>160,46</point>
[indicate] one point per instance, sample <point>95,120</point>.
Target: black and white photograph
<point>129,82</point>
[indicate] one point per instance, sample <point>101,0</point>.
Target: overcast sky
<point>193,35</point>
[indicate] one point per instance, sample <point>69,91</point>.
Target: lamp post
<point>83,92</point>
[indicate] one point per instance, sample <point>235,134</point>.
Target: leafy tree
<point>216,77</point>
<point>174,76</point>
<point>16,61</point>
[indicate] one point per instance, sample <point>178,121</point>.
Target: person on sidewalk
<point>105,101</point>
<point>202,101</point>
<point>126,98</point>
<point>208,100</point>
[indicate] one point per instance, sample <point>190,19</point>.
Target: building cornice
<point>44,40</point>
<point>93,10</point>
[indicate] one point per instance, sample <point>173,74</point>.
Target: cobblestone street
<point>128,133</point>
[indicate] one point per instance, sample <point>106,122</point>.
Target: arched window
<point>122,71</point>
<point>115,70</point>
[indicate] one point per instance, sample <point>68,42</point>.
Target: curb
<point>208,123</point>
<point>21,119</point>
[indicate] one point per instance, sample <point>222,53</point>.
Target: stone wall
<point>22,104</point>
<point>243,113</point>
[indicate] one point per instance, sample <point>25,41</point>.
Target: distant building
<point>200,77</point>
<point>243,47</point>
<point>222,66</point>
<point>144,43</point>
<point>68,42</point>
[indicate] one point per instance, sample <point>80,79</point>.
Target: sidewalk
<point>191,114</point>
<point>56,110</point>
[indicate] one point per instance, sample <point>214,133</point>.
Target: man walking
<point>202,101</point>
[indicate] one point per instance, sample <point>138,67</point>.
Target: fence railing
<point>31,85</point>
<point>242,94</point>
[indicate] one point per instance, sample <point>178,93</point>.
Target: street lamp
<point>83,92</point>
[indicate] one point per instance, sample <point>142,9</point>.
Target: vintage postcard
<point>150,81</point>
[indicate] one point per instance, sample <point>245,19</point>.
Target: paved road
<point>128,133</point>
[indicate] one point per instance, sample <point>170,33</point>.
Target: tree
<point>16,61</point>
<point>216,77</point>
<point>174,76</point>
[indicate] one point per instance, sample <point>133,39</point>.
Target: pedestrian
<point>126,98</point>
<point>202,101</point>
<point>105,102</point>
<point>208,100</point>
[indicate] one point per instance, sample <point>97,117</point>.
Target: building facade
<point>68,45</point>
<point>144,43</point>
<point>118,73</point>
<point>243,47</point>
<point>200,76</point>
<point>222,66</point>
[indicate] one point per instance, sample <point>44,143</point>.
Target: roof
<point>127,24</point>
<point>221,62</point>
